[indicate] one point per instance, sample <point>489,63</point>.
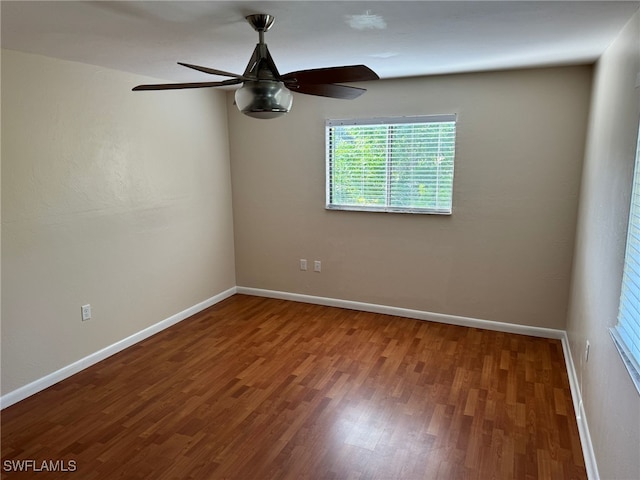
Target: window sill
<point>415,211</point>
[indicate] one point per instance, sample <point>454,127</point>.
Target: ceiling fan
<point>266,93</point>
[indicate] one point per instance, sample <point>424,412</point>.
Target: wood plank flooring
<point>257,388</point>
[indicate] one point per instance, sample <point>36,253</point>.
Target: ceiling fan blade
<point>212,71</point>
<point>349,73</point>
<point>176,86</point>
<point>328,90</point>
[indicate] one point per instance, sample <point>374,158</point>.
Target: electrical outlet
<point>586,351</point>
<point>317,266</point>
<point>86,312</point>
<point>303,264</point>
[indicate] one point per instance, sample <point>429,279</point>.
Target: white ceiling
<point>394,38</point>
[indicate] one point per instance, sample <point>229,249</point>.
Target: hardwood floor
<point>257,388</point>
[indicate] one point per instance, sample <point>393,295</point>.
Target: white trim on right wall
<point>581,417</point>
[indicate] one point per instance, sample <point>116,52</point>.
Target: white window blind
<point>402,164</point>
<point>626,334</point>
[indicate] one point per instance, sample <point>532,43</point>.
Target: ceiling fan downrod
<point>261,23</point>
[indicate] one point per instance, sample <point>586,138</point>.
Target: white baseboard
<point>583,429</point>
<point>578,407</point>
<point>405,312</point>
<point>65,372</point>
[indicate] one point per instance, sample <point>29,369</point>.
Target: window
<point>626,334</point>
<point>402,164</point>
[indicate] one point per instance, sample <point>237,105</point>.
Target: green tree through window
<point>393,165</point>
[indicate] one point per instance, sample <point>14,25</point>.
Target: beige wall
<point>611,402</point>
<point>504,255</point>
<point>109,197</point>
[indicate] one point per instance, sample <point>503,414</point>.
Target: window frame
<point>386,121</point>
<point>628,324</point>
